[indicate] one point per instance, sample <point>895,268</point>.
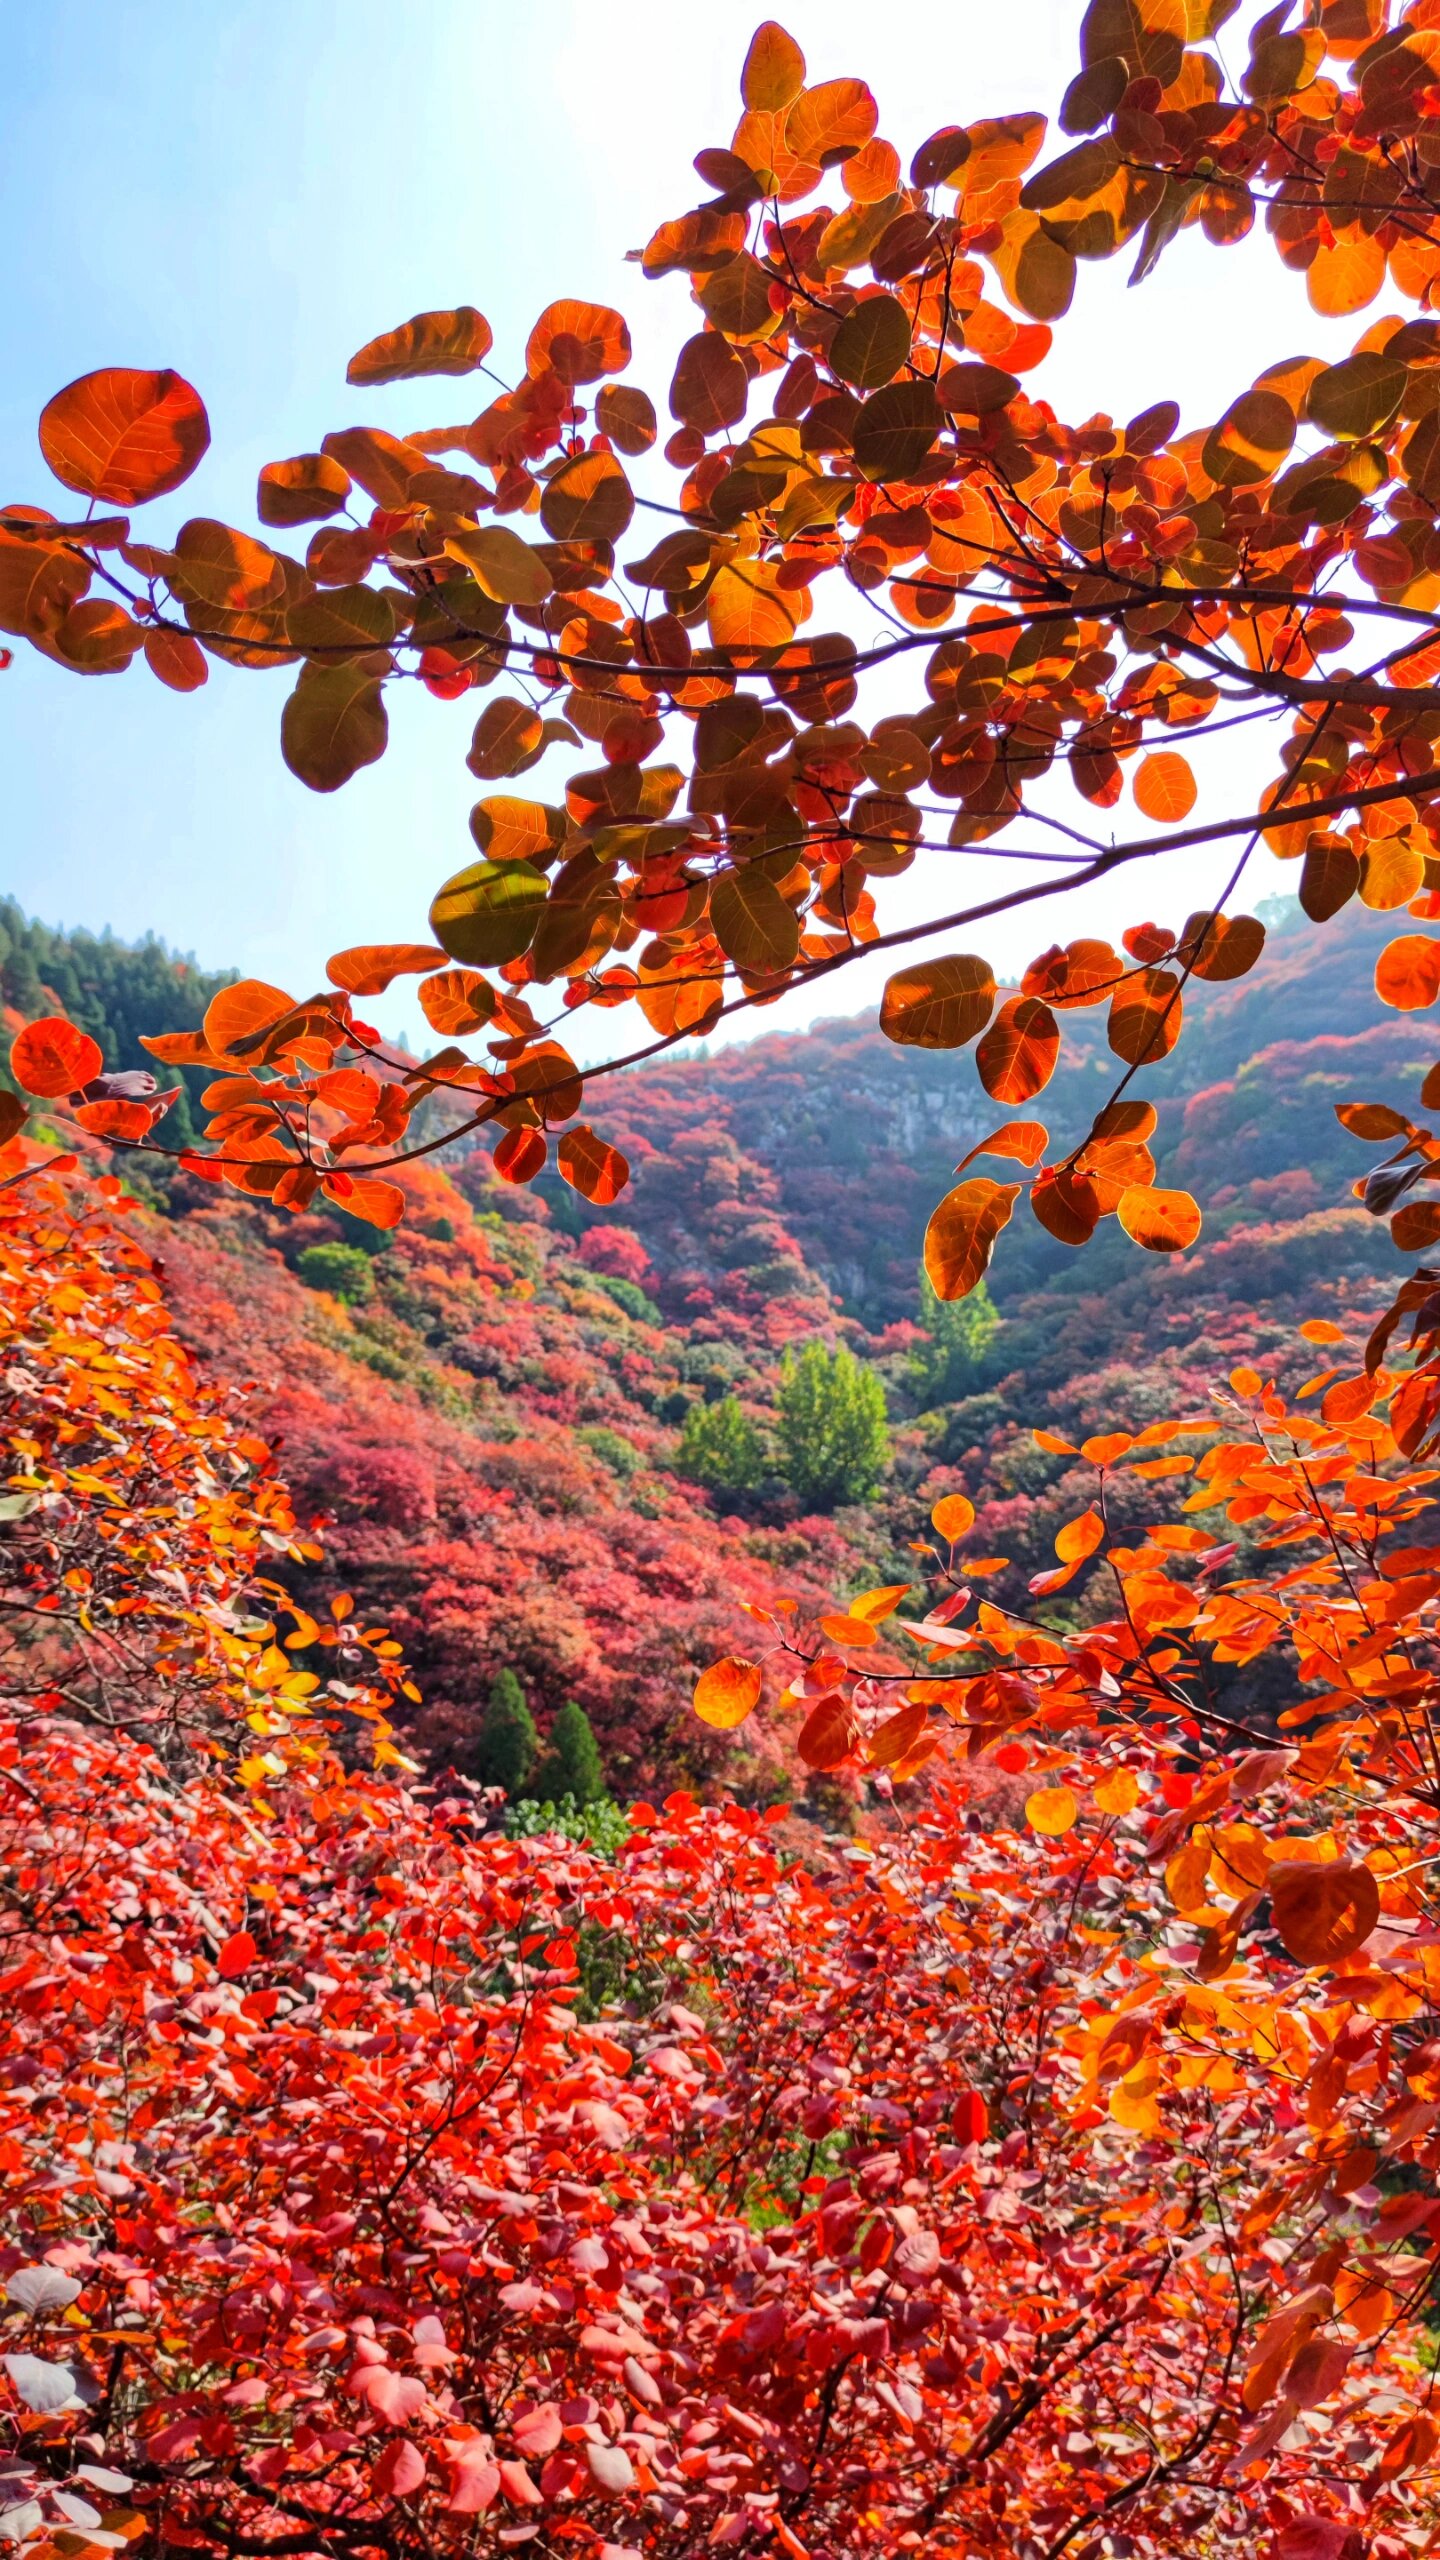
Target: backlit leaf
<point>304,490</point>
<point>960,1237</point>
<point>433,342</point>
<point>774,70</point>
<point>938,1004</point>
<point>124,436</point>
<point>1407,973</point>
<point>1051,1811</point>
<point>237,1013</point>
<point>333,723</point>
<point>1165,787</point>
<point>1161,1221</point>
<point>1016,1056</point>
<point>871,343</point>
<point>487,913</point>
<point>1220,947</point>
<point>579,341</point>
<point>896,429</point>
<point>728,1691</point>
<point>50,1058</point>
<point>368,968</point>
<point>752,923</point>
<point>829,1733</point>
<point>953,1515</point>
<point>597,1171</point>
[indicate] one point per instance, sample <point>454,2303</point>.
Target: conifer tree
<point>507,1743</point>
<point>570,1764</point>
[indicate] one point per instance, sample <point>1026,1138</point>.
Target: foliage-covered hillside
<point>552,1439</point>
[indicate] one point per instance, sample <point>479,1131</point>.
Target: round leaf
<point>1407,973</point>
<point>123,435</point>
<point>871,343</point>
<point>938,1004</point>
<point>953,1515</point>
<point>487,913</point>
<point>728,1691</point>
<point>1161,1221</point>
<point>1165,787</point>
<point>333,723</point>
<point>1051,1811</point>
<point>1323,1913</point>
<point>50,1058</point>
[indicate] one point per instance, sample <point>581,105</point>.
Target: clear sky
<point>248,192</point>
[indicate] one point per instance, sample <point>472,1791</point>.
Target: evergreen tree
<point>831,1420</point>
<point>960,1331</point>
<point>721,1448</point>
<point>507,1742</point>
<point>570,1764</point>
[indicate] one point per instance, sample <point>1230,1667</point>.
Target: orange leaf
<point>1118,1792</point>
<point>1161,1221</point>
<point>896,1738</point>
<point>380,1204</point>
<point>1407,973</point>
<point>124,436</point>
<point>125,1121</point>
<point>1051,1811</point>
<point>774,70</point>
<point>238,1012</point>
<point>960,1237</point>
<point>433,342</point>
<point>367,969</point>
<point>1323,1913</point>
<point>519,1155</point>
<point>1080,1538</point>
<point>1016,1057</point>
<point>456,1001</point>
<point>1024,1140</point>
<point>1165,787</point>
<point>829,1733</point>
<point>728,1691</point>
<point>953,1515</point>
<point>579,341</point>
<point>51,1058</point>
<point>875,1606</point>
<point>597,1171</point>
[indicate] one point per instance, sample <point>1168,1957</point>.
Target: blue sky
<point>249,192</point>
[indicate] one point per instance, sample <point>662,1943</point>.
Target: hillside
<point>488,1406</point>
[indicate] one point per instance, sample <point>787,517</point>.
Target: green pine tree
<point>721,1448</point>
<point>507,1742</point>
<point>951,1362</point>
<point>570,1764</point>
<point>830,1416</point>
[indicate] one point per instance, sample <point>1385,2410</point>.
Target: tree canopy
<point>853,419</point>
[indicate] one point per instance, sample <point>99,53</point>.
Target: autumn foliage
<point>1000,2180</point>
<point>858,415</point>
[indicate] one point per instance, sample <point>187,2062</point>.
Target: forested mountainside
<point>571,1443</point>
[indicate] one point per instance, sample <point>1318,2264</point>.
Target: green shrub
<point>830,1418</point>
<point>953,1360</point>
<point>344,1269</point>
<point>721,1448</point>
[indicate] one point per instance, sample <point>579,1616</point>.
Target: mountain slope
<point>491,1417</point>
